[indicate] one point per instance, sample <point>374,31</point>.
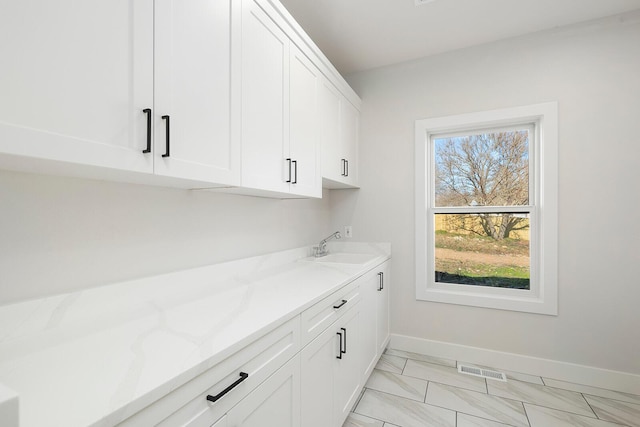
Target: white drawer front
<point>317,318</point>
<point>259,360</point>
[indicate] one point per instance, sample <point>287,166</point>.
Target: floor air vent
<point>483,373</point>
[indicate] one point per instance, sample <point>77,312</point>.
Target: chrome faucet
<point>321,249</point>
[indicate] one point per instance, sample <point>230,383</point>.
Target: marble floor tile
<point>399,385</point>
<point>593,391</point>
<point>390,363</point>
<point>466,420</point>
<point>616,411</point>
<point>549,397</point>
<point>356,420</point>
<point>421,357</point>
<point>393,397</point>
<point>403,412</point>
<point>479,404</point>
<point>546,417</point>
<point>444,375</point>
<point>511,375</point>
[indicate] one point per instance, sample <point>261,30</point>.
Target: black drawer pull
<point>167,118</point>
<point>344,167</point>
<point>243,376</point>
<point>347,169</point>
<point>147,111</point>
<point>339,356</point>
<point>344,301</point>
<point>381,275</point>
<point>345,341</point>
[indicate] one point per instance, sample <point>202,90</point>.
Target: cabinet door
<point>383,308</point>
<point>222,422</point>
<point>304,125</point>
<point>75,79</point>
<point>265,76</point>
<point>330,132</point>
<point>349,128</point>
<point>369,322</point>
<point>317,362</point>
<point>347,370</point>
<point>192,91</point>
<point>275,403</point>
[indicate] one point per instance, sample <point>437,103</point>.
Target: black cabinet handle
<point>344,301</point>
<point>345,341</point>
<point>167,118</point>
<point>295,171</point>
<point>346,162</point>
<point>343,166</point>
<point>289,180</point>
<point>381,276</point>
<point>147,111</point>
<point>243,376</point>
<point>339,356</point>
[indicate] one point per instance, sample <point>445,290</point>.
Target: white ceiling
<point>363,34</point>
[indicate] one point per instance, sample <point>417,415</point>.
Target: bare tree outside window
<point>480,246</point>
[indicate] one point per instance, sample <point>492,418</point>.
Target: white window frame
<point>542,297</point>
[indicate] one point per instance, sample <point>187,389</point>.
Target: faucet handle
<point>320,250</point>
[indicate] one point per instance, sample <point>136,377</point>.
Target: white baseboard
<point>564,371</point>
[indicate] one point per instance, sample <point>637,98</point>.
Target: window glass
<point>466,252</point>
<point>482,169</point>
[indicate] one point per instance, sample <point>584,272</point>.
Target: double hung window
<point>486,226</point>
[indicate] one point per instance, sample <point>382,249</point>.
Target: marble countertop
<point>98,356</point>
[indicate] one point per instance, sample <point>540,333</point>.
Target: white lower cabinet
<point>330,372</point>
<point>227,382</point>
<point>368,313</point>
<point>275,403</point>
<point>382,307</point>
<point>222,422</point>
<point>374,288</point>
<point>308,372</point>
<point>347,369</point>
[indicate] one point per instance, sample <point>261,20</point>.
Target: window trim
<point>542,297</point>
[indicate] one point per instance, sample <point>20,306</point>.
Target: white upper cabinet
<point>186,93</point>
<point>75,79</point>
<point>193,91</point>
<point>304,125</point>
<point>280,123</point>
<point>349,132</point>
<point>330,100</point>
<point>340,122</point>
<point>265,74</point>
<point>88,83</point>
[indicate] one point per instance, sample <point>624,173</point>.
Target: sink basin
<point>344,258</point>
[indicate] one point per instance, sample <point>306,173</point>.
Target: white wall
<point>593,71</point>
<point>61,234</point>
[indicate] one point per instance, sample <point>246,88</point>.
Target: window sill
<point>526,302</point>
